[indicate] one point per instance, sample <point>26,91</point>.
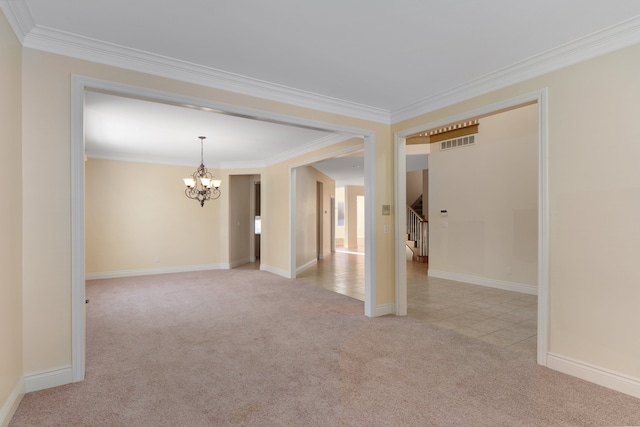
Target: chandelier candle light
<point>201,186</point>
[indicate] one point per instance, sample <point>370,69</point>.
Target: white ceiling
<point>376,58</point>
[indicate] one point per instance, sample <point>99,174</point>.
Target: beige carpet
<point>241,347</point>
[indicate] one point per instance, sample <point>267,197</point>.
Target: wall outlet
<point>509,271</point>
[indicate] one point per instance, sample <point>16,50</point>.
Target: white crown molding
<point>318,144</point>
<point>613,38</point>
<point>37,37</point>
<point>19,17</point>
<point>63,43</point>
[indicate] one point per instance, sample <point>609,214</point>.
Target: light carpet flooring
<point>502,318</point>
<point>250,348</point>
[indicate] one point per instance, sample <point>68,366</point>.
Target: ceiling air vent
<point>458,142</point>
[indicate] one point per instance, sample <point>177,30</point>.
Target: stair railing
<point>418,231</point>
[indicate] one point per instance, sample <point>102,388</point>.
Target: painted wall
<point>592,108</point>
<point>46,138</point>
<point>414,186</point>
<point>11,388</point>
<point>307,219</point>
<point>594,206</point>
<point>132,225</point>
<point>490,191</point>
<point>240,219</point>
<point>351,193</point>
<point>276,195</point>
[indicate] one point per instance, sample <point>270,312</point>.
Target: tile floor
<point>503,318</point>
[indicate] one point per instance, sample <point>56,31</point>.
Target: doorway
<point>540,235</point>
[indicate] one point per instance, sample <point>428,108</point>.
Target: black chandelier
<point>201,186</point>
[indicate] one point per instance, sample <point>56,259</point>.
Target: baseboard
<point>48,379</point>
<point>9,407</point>
<point>307,266</point>
<point>383,310</point>
<point>274,270</point>
<point>234,264</point>
<point>482,281</point>
<point>604,377</point>
<point>152,271</point>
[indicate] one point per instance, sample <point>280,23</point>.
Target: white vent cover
<point>458,142</point>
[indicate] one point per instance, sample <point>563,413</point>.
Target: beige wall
<point>47,238</point>
<point>307,178</point>
<point>10,219</point>
<point>594,204</point>
<point>490,191</point>
<point>351,192</point>
<point>276,196</point>
<point>138,218</point>
<point>240,219</point>
<point>593,190</point>
<point>414,186</point>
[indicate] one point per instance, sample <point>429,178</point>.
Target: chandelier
<point>201,186</point>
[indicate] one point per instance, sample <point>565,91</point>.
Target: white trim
<point>483,281</point>
<point>370,218</point>
<point>619,36</point>
<point>595,374</point>
<point>324,142</point>
<point>47,379</point>
<point>11,404</point>
<point>400,226</point>
<point>78,86</point>
<point>541,98</point>
<point>152,271</point>
<point>77,231</point>
<point>19,17</point>
<point>384,309</point>
<point>236,263</point>
<point>543,228</point>
<point>62,43</point>
<point>274,270</point>
<point>306,266</point>
<point>370,226</point>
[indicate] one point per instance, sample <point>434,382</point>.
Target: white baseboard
<point>274,270</point>
<point>482,281</point>
<point>307,266</point>
<point>239,262</point>
<point>151,271</point>
<point>9,407</point>
<point>383,310</point>
<point>47,379</point>
<point>604,377</point>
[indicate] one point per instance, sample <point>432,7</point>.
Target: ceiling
<point>378,60</point>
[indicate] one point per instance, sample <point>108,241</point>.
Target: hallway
<point>503,318</point>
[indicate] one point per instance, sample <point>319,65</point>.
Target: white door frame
<point>370,308</point>
<point>540,98</point>
<point>79,85</point>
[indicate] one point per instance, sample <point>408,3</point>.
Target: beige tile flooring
<point>503,318</point>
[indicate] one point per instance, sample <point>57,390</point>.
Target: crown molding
<point>63,43</point>
<point>19,17</point>
<point>318,144</point>
<point>46,39</point>
<point>624,34</point>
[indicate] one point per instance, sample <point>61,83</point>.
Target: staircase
<point>417,237</point>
